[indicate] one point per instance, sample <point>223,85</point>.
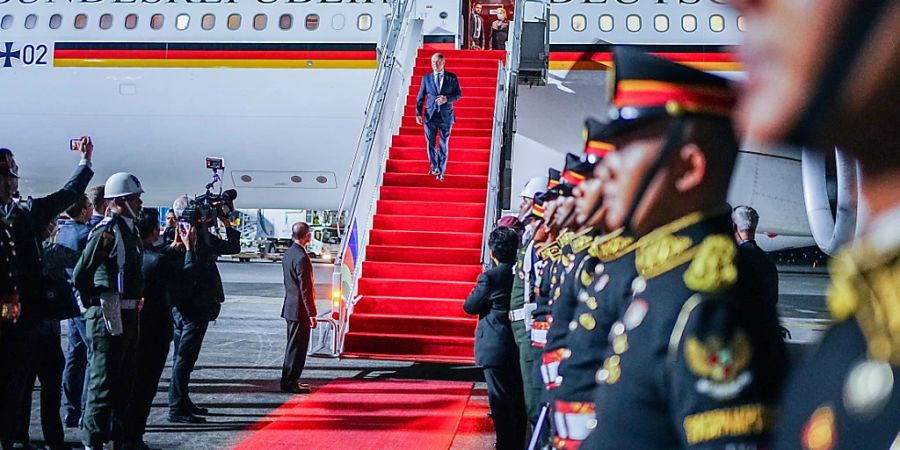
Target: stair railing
<point>384,111</point>
<point>492,205</point>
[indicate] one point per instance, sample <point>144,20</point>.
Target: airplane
<point>279,88</point>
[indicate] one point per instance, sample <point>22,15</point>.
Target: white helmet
<point>122,184</point>
<point>534,186</point>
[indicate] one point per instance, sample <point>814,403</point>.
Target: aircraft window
<point>716,23</point>
<point>208,21</point>
<point>182,21</point>
<point>234,21</point>
<point>338,21</point>
<point>30,21</point>
<point>741,23</point>
<point>285,21</point>
<point>364,22</point>
<point>157,21</point>
<point>55,21</point>
<point>6,22</point>
<point>554,22</point>
<point>259,22</point>
<point>689,23</point>
<point>606,23</point>
<point>131,21</point>
<point>106,21</point>
<point>579,22</point>
<point>661,23</point>
<point>312,22</point>
<point>81,21</point>
<point>633,22</point>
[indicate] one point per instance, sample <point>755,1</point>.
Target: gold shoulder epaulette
<point>865,284</point>
<point>582,241</point>
<point>611,246</point>
<point>565,238</point>
<point>662,254</point>
<point>713,269</point>
<point>551,252</point>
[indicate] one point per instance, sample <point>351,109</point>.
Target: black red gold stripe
<point>537,211</point>
<point>599,56</point>
<point>649,93</point>
<point>573,178</point>
<point>598,148</point>
<point>215,55</point>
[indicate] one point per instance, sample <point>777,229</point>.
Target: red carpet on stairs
<point>424,251</point>
<point>361,415</point>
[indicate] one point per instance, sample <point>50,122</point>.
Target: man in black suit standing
<point>299,308</point>
<point>495,347</point>
<point>441,90</point>
<point>762,275</point>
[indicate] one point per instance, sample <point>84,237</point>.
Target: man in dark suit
<point>476,28</point>
<point>495,347</point>
<point>441,90</point>
<point>763,275</point>
<point>299,308</point>
<point>23,224</point>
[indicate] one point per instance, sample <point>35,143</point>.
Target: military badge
<point>819,432</point>
<point>720,365</point>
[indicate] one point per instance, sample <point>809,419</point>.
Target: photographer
<point>201,301</point>
<point>21,225</point>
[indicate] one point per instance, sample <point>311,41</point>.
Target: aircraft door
<point>487,23</point>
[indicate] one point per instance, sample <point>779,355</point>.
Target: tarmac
<point>240,364</point>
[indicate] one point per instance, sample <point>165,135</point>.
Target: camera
<point>204,209</point>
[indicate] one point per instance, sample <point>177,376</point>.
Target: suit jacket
<point>476,27</point>
<point>299,285</point>
<point>201,295</point>
<point>429,90</point>
<point>494,342</point>
<point>760,276</point>
<point>28,219</point>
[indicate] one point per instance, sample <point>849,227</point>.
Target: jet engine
<point>833,212</point>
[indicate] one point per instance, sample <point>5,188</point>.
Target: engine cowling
<point>831,229</point>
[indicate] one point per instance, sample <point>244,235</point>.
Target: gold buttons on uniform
<point>591,303</point>
<point>586,278</point>
<point>639,285</point>
<point>620,344</point>
<point>573,325</point>
<point>587,321</point>
<point>599,268</point>
<point>611,372</point>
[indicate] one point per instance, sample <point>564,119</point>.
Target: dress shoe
<point>199,411</point>
<point>73,421</point>
<point>299,388</point>
<point>440,177</point>
<point>190,418</point>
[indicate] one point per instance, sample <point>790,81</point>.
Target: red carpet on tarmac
<point>424,251</point>
<point>360,415</point>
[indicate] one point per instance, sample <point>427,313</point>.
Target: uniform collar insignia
<point>611,245</point>
<point>582,240</point>
<point>551,252</point>
<point>669,246</point>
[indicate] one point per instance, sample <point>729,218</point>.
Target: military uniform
<point>846,395</point>
<point>112,364</point>
<point>522,293</point>
<point>11,371</point>
<point>603,281</point>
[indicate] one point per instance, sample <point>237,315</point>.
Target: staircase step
<point>468,91</point>
<point>462,71</point>
<point>418,153</point>
<point>443,272</point>
<point>422,166</point>
<point>455,141</point>
<point>425,180</point>
<point>461,122</point>
<point>464,82</point>
<point>424,347</point>
<point>417,130</point>
<point>457,63</point>
<point>436,326</point>
<point>467,111</point>
<point>423,254</point>
<point>466,100</point>
<point>415,288</point>
<point>430,209</point>
<point>424,239</point>
<point>432,194</point>
<point>422,223</point>
<point>462,53</point>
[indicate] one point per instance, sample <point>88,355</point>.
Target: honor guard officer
<point>693,362</point>
<point>111,283</point>
<point>25,222</point>
<point>563,296</point>
<point>521,303</point>
<point>608,270</point>
<point>830,80</point>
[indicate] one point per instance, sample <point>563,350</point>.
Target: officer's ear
<point>692,167</point>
